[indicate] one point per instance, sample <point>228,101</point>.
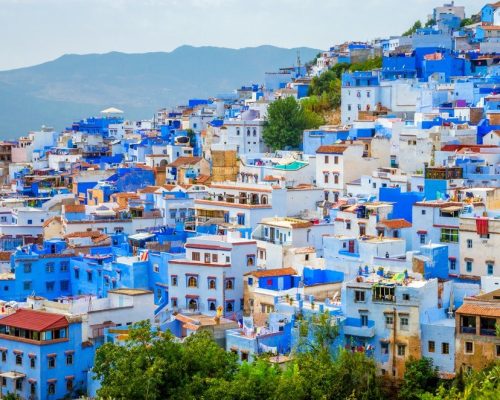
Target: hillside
<point>74,86</point>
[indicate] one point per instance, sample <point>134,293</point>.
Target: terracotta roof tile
<point>181,161</point>
<point>265,273</point>
<point>332,149</point>
<point>5,255</point>
<point>35,320</point>
<point>74,208</point>
<point>149,189</point>
<point>484,310</point>
<point>395,223</point>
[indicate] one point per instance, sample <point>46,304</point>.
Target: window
<point>406,296</point>
<point>453,264</point>
<point>19,384</point>
<point>51,388</point>
<point>173,280</point>
<point>27,285</point>
<point>422,239</point>
<point>69,359</point>
<point>403,323</point>
<point>468,266</point>
<point>89,276</point>
<point>336,159</point>
<point>196,256</point>
<point>423,212</point>
<point>327,159</point>
<point>364,320</point>
<point>250,260</point>
<point>445,348</point>
<point>359,296</point>
<point>229,283</point>
<point>244,356</point>
<point>174,302</point>
<point>64,266</point>
<point>384,348</point>
<point>27,268</point>
<point>49,267</point>
<point>49,286</point>
<point>19,359</point>
<point>229,306</point>
<point>431,346</point>
<point>215,258</point>
<point>30,222</point>
<point>401,350</point>
<point>212,283</point>
<point>469,243</point>
<point>389,321</point>
<point>326,178</point>
<point>156,268</point>
<point>77,274</point>
<point>4,356</point>
<point>32,362</point>
<point>69,385</point>
<point>449,235</point>
<point>348,225</point>
<point>51,362</point>
<point>32,388</point>
<point>192,281</point>
<point>489,269</point>
<point>335,179</point>
<point>469,347</point>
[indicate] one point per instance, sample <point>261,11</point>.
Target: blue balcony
<point>468,329</point>
<point>348,254</point>
<point>353,327</point>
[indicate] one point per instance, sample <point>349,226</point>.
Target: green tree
<point>152,365</point>
<point>413,29</point>
<point>420,376</point>
<point>286,121</point>
<point>466,21</point>
<point>481,385</point>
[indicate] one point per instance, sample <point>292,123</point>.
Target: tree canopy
<point>413,29</point>
<point>286,120</point>
<point>154,365</point>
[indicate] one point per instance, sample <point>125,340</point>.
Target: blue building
<point>43,271</point>
<point>43,356</point>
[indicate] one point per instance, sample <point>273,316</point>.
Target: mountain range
<point>72,86</point>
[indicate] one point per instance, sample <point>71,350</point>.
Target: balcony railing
<point>487,332</point>
<point>468,329</point>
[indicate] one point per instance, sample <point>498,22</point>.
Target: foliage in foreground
<point>153,365</point>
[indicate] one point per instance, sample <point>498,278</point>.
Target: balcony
<point>487,332</point>
<point>468,329</point>
<point>353,327</point>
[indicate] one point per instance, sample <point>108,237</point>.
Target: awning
<point>12,375</point>
<point>422,232</point>
<point>451,208</point>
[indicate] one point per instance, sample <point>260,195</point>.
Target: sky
<point>35,31</point>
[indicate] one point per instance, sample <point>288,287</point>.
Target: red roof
<point>332,149</point>
<point>267,273</point>
<point>472,147</point>
<point>35,320</point>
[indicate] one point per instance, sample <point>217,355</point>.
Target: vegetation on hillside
<point>154,365</point>
<point>413,29</point>
<point>286,120</point>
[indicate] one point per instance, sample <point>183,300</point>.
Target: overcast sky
<point>34,31</point>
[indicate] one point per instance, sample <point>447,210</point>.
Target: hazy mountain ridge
<point>74,86</point>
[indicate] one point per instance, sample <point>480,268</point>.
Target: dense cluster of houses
<point>389,223</point>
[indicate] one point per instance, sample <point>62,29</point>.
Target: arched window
<point>51,388</point>
<point>250,261</point>
<point>193,304</point>
<point>212,306</point>
<point>229,284</point>
<point>336,179</point>
<point>254,132</point>
<point>255,198</point>
<point>263,199</point>
<point>229,306</point>
<point>211,284</point>
<point>248,132</point>
<point>192,281</point>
